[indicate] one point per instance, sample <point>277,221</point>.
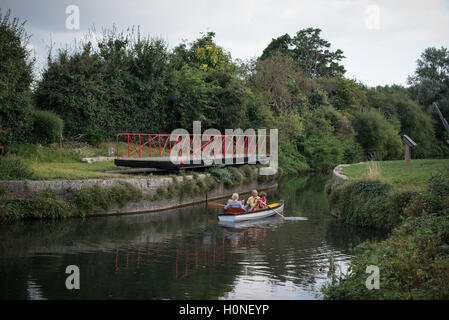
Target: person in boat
<point>262,201</point>
<point>234,202</point>
<point>251,203</point>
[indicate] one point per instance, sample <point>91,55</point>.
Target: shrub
<point>16,76</point>
<point>93,137</point>
<point>36,207</point>
<point>186,188</point>
<point>363,203</point>
<point>438,192</point>
<point>47,127</point>
<point>413,264</point>
<point>221,175</point>
<point>14,168</point>
<point>376,135</point>
<point>323,154</point>
<point>88,199</point>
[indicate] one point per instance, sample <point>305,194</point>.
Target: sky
<point>381,39</point>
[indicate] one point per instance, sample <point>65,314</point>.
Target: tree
<point>203,53</point>
<point>407,115</point>
<point>313,55</point>
<point>377,136</point>
<point>431,79</point>
<point>281,44</point>
<point>430,83</point>
<point>118,86</point>
<point>309,51</point>
<point>278,76</point>
<point>15,79</point>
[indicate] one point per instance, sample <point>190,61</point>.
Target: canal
<point>182,253</point>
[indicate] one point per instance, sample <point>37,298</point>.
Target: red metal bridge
<point>189,151</point>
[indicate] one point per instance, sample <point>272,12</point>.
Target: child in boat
<point>234,202</point>
<point>262,201</point>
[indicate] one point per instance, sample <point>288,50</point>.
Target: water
<point>182,253</point>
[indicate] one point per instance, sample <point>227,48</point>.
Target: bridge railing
<point>191,146</point>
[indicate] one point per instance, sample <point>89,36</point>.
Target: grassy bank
<point>413,202</point>
<point>37,162</point>
<point>397,173</point>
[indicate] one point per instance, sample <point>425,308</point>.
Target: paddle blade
<point>215,204</point>
<point>271,205</point>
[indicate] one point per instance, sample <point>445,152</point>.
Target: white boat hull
<point>250,216</point>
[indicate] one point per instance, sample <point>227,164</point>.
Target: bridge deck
<point>185,163</point>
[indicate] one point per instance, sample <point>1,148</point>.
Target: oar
<point>276,212</point>
<point>215,204</point>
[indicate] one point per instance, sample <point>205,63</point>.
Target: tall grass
<point>373,173</point>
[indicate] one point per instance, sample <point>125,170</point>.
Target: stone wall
<point>148,186</point>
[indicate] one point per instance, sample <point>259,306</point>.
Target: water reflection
<point>182,253</point>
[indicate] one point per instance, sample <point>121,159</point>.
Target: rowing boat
<point>238,214</point>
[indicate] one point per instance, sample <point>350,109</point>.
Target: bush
<point>14,168</point>
<point>89,199</point>
<point>16,76</point>
<point>413,264</point>
<point>36,207</point>
<point>323,154</point>
<point>47,127</point>
<point>414,261</point>
<point>93,137</point>
<point>363,203</point>
<point>377,136</point>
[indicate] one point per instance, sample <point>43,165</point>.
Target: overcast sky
<point>381,39</point>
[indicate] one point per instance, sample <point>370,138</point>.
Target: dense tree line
<point>126,82</point>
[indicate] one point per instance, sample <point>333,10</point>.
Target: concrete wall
<point>337,176</point>
<point>218,193</point>
<point>148,186</point>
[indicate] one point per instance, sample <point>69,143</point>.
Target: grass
<point>398,174</point>
<point>53,162</point>
<point>74,170</point>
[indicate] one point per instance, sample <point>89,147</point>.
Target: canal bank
<point>411,205</point>
<point>132,195</point>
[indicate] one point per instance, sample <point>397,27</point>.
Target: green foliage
<point>344,94</point>
<point>413,264</point>
<point>15,80</point>
<point>88,199</point>
<point>117,86</point>
<point>395,104</point>
<point>39,153</point>
<point>36,207</point>
<point>430,83</point>
<point>363,203</point>
<point>93,136</point>
<point>323,154</point>
<point>222,175</point>
<point>414,261</point>
<point>14,168</point>
<point>310,52</point>
<point>47,127</point>
<point>377,136</point>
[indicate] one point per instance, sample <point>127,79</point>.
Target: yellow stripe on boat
<point>271,205</point>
